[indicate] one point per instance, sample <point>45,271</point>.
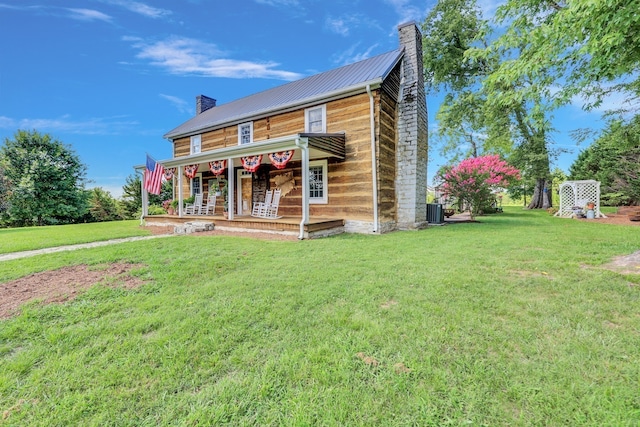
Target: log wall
<point>349,180</point>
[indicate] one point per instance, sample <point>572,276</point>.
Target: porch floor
<point>317,227</point>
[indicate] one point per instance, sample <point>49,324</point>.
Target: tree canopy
<point>132,196</point>
<point>569,48</point>
<point>505,77</point>
<point>45,179</point>
<point>473,120</point>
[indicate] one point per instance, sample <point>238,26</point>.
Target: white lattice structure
<point>576,194</point>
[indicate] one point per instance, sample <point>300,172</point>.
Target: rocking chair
<point>194,208</point>
<point>259,208</point>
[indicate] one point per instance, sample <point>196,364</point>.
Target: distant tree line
<point>42,182</point>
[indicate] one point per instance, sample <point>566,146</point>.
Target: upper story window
<point>245,133</point>
<point>196,144</point>
<point>315,119</point>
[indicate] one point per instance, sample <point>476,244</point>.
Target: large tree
<point>131,200</point>
<point>568,51</point>
<point>46,180</point>
<point>102,206</point>
<point>476,117</point>
<point>132,195</point>
<point>450,29</point>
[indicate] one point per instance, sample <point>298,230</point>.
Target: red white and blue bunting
<point>251,163</point>
<point>280,160</point>
<point>217,166</point>
<point>190,171</point>
<point>169,173</point>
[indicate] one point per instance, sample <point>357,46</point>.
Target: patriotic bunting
<point>169,173</point>
<point>251,163</point>
<point>280,160</point>
<point>190,171</point>
<point>217,166</point>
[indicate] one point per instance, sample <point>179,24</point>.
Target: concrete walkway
<point>25,254</point>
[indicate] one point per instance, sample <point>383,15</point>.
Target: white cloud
<point>9,6</point>
<point>407,11</point>
<point>337,25</point>
<point>79,14</point>
<point>91,126</point>
<point>140,8</point>
<point>89,15</point>
<point>293,8</point>
<point>616,101</point>
<point>6,122</point>
<point>352,54</point>
<point>489,7</point>
<point>344,24</point>
<point>185,56</point>
<point>182,105</point>
<point>279,3</point>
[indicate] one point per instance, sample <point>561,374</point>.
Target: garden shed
<point>576,195</point>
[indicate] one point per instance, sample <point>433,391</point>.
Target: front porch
<point>287,225</point>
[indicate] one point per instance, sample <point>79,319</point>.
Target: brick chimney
<point>204,103</point>
<point>411,170</point>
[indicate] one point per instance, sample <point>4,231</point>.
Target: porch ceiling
<point>319,145</point>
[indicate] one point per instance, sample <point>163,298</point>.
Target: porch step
<point>193,227</point>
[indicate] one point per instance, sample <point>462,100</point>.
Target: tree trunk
<point>541,198</point>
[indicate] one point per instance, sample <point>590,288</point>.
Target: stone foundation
<point>193,227</point>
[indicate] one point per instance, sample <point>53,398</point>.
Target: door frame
<point>242,175</point>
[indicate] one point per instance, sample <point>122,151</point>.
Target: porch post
<point>305,185</point>
<point>231,186</point>
<point>145,201</point>
<point>180,197</point>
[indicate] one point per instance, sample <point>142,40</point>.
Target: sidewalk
<point>26,254</point>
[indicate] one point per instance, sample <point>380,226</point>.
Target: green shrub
<point>156,210</point>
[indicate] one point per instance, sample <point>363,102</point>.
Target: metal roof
<point>332,83</point>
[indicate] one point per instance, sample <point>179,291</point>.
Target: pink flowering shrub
<point>473,180</point>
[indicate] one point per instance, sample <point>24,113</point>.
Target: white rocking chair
<point>194,208</point>
<point>210,205</point>
<point>271,210</point>
<point>259,208</point>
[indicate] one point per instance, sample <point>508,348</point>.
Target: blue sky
<point>110,77</point>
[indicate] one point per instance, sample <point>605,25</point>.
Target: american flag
<point>153,176</point>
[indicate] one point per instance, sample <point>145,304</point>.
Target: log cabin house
<point>347,146</point>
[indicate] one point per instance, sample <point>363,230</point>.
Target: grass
<point>30,238</point>
<point>511,321</point>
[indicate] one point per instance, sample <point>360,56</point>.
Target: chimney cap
<point>406,24</point>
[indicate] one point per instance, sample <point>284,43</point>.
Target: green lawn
<point>29,238</point>
<point>507,322</point>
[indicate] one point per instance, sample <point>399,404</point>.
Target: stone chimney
<point>204,103</point>
<point>411,170</point>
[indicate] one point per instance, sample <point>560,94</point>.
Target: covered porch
<point>237,163</point>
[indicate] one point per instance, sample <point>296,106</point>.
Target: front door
<point>243,191</point>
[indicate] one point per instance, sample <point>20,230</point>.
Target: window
<point>315,119</point>
<point>196,144</point>
<point>196,185</point>
<point>318,182</point>
<point>245,133</point>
